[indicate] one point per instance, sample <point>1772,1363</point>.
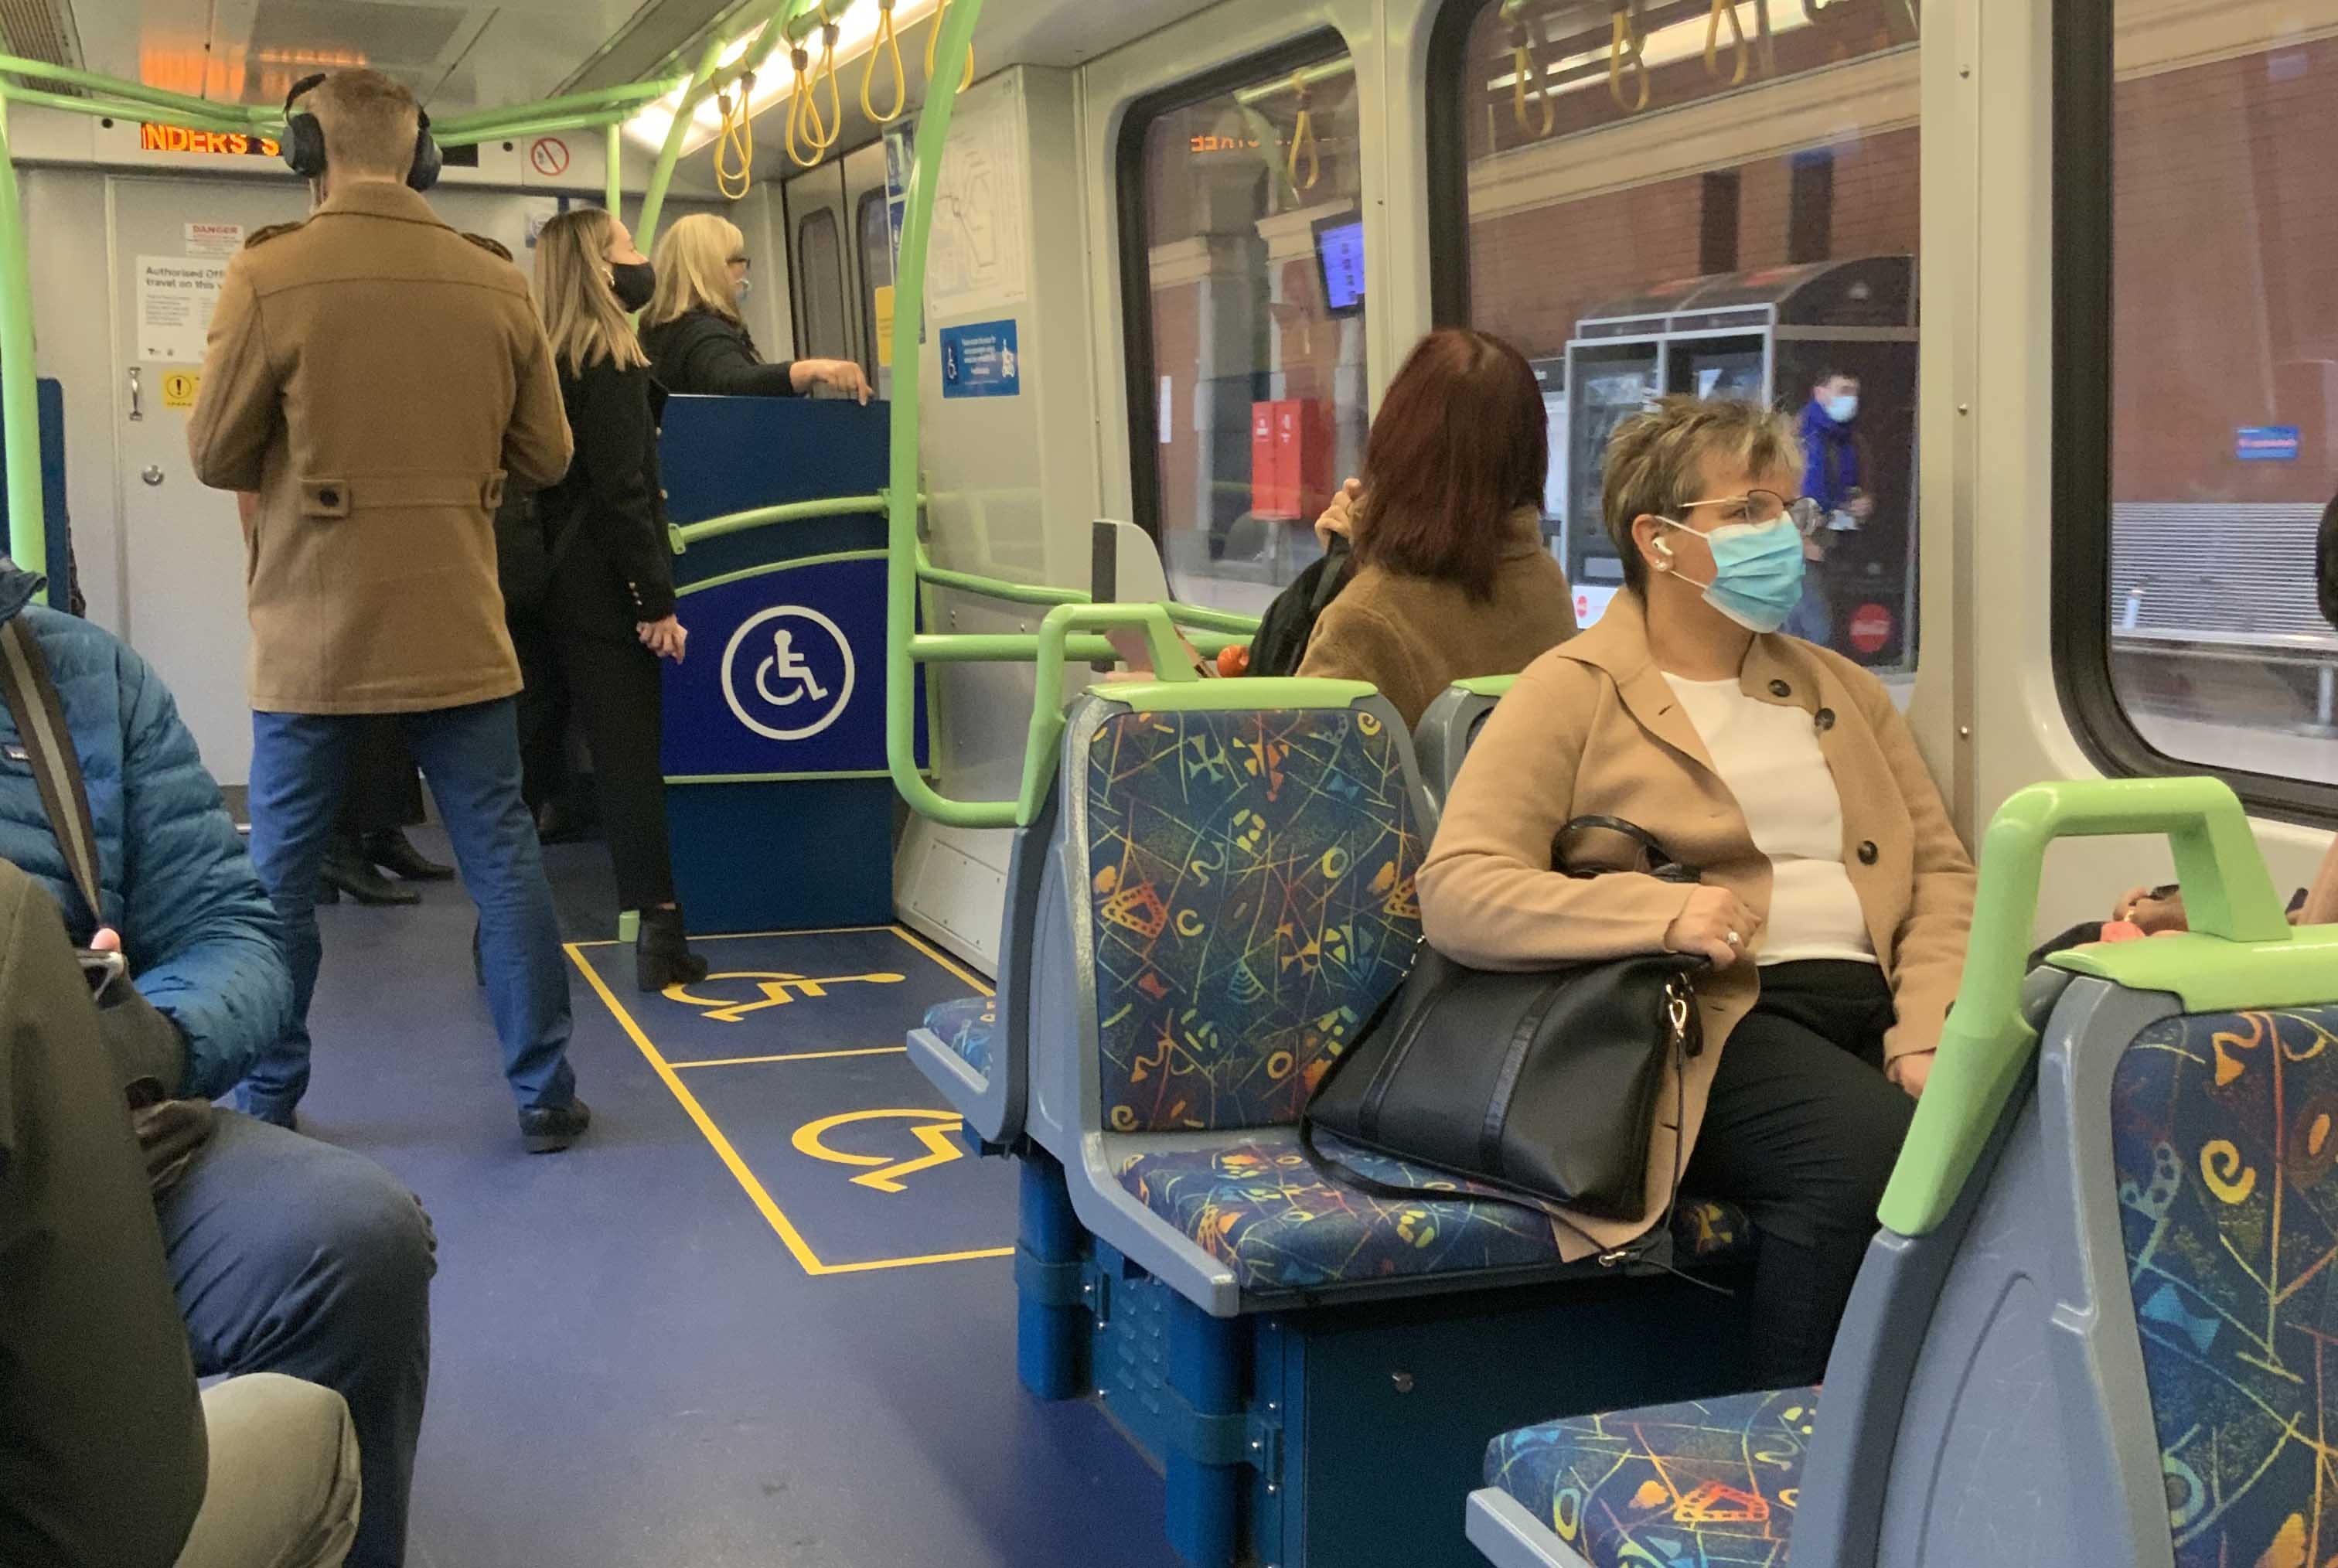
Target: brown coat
<point>1412,637</point>
<point>374,377</point>
<point>1594,729</point>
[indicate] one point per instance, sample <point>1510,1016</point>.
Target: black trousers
<point>542,710</point>
<point>616,692</point>
<point>384,791</point>
<point>1800,1132</point>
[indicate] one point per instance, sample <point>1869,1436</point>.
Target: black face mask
<point>635,282</point>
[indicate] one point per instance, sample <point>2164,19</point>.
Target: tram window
<point>2224,392</point>
<point>820,255</point>
<point>1638,220</point>
<point>1247,390</point>
<point>876,243</point>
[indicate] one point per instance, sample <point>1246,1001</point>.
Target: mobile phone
<point>2297,901</point>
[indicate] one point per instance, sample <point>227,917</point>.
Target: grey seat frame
<point>1986,1400</point>
<point>1442,740</point>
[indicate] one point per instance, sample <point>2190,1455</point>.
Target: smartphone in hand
<point>103,970</point>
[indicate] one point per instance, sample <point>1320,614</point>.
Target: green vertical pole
<point>653,198</point>
<point>616,190</point>
<point>909,364</point>
<point>20,409</point>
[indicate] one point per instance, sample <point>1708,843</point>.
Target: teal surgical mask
<point>1842,410</point>
<point>1757,570</point>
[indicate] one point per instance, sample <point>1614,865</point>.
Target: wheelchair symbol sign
<point>788,672</point>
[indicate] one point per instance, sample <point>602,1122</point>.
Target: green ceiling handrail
<point>221,123</point>
<point>629,97</point>
<point>662,173</point>
<point>149,98</point>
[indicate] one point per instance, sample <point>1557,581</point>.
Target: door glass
<point>1646,215</point>
<point>876,243</point>
<point>2224,387</point>
<point>1255,398</point>
<point>819,269</point>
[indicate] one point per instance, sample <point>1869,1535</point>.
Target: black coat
<point>604,524</point>
<point>702,354</point>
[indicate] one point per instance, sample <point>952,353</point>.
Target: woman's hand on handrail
<point>1135,653</point>
<point>1339,518</point>
<point>1715,925</point>
<point>843,375</point>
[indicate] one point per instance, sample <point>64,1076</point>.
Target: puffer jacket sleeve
<point>202,934</point>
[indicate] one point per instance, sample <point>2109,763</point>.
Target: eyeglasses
<point>1764,506</point>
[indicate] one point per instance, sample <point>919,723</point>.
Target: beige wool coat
<point>1592,727</point>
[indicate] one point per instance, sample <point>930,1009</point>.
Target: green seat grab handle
<point>1986,1044</point>
<point>1047,682</point>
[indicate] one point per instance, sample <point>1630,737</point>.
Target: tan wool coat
<point>376,377</point>
<point>1412,637</point>
<point>1593,728</point>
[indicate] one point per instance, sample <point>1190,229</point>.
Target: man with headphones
<point>376,377</point>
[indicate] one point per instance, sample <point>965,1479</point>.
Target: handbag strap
<point>40,719</point>
<point>1661,863</point>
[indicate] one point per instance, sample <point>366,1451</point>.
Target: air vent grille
<point>41,30</point>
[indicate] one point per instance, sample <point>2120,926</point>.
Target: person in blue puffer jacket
<point>288,1255</point>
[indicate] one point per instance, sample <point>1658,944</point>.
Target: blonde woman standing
<point>611,604</point>
<point>699,346</point>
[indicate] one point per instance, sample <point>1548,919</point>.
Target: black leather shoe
<point>550,1131</point>
<point>661,955</point>
<point>395,854</point>
<point>347,870</point>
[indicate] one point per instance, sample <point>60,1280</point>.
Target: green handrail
<point>1048,676</point>
<point>629,97</point>
<point>686,535</point>
<point>225,124</point>
<point>525,129</point>
<point>661,175</point>
<point>20,409</point>
<point>614,191</point>
<point>150,99</point>
<point>1986,1045</point>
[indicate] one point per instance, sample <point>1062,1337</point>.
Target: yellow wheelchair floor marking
<point>934,1132</point>
<point>778,988</point>
<point>796,1056</point>
<point>748,936</point>
<point>784,1228</point>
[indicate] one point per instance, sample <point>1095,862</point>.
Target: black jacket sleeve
<point>617,453</point>
<point>713,361</point>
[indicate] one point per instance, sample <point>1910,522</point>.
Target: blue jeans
<point>292,1256</point>
<point>1811,620</point>
<point>300,764</point>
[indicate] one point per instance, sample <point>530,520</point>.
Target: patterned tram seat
<point>1249,902</point>
<point>2096,1327</point>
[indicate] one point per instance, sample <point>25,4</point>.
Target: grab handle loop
<point>934,38</point>
<point>1302,135</point>
<point>888,46</point>
<point>1527,82</point>
<point>1713,43</point>
<point>1627,49</point>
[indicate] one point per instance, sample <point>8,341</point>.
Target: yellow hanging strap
<point>1302,134</point>
<point>803,115</point>
<point>1527,82</point>
<point>735,146</point>
<point>1625,50</point>
<point>1713,42</point>
<point>828,124</point>
<point>934,38</point>
<point>888,46</point>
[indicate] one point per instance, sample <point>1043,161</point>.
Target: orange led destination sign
<point>152,138</point>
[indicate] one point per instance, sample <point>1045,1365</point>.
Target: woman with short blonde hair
<point>698,344</point>
<point>610,605</point>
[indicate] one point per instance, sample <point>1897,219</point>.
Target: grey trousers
<point>283,1491</point>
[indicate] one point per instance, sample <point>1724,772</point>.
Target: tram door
<point>820,227</point>
<point>871,258</point>
<point>183,600</point>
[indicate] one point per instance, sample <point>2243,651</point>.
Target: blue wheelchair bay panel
<point>1251,878</point>
<point>2224,1130</point>
<point>1709,1484</point>
<point>1258,1205</point>
<point>967,1026</point>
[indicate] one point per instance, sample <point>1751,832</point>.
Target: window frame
<point>2084,210</point>
<point>823,213</point>
<point>872,198</point>
<point>1447,142</point>
<point>1135,236</point>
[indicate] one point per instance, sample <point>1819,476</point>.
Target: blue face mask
<point>1842,410</point>
<point>1757,572</point>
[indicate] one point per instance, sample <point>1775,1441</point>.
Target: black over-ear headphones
<point>304,141</point>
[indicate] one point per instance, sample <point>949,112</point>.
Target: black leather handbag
<point>1543,1085</point>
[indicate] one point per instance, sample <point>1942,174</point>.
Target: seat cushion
<point>1257,1204</point>
<point>1713,1481</point>
<point>1251,895</point>
<point>966,1027</point>
<point>2225,1140</point>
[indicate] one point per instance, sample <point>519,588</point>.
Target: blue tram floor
<point>633,1363</point>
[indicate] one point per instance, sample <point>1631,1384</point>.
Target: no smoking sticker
<point>548,156</point>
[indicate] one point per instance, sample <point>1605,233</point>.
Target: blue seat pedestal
<point>1344,1436</point>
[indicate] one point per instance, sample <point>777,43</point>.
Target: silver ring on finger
<point>1735,940</point>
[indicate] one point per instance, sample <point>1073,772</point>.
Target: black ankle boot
<point>347,870</point>
<point>661,955</point>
